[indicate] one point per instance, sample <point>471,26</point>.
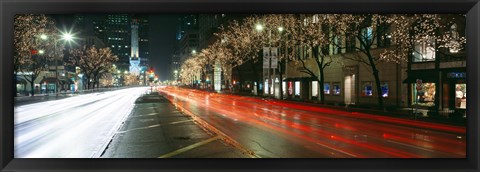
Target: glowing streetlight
<point>43,36</point>
<point>176,71</point>
<point>259,27</point>
<point>126,72</point>
<point>67,36</point>
<point>41,51</point>
<point>194,52</point>
<point>280,29</point>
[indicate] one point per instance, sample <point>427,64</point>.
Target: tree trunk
<point>320,85</point>
<point>32,89</point>
<point>281,78</point>
<point>255,76</point>
<point>377,84</point>
<point>321,78</point>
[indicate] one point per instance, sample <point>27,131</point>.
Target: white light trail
<point>75,127</point>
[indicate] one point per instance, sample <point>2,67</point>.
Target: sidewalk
<point>156,129</point>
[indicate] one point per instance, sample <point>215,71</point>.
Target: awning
<point>68,81</point>
<point>300,79</point>
<point>21,80</point>
<point>427,76</point>
<point>49,80</point>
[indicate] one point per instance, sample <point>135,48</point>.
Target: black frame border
<point>9,8</point>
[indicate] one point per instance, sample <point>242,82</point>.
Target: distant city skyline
<point>162,37</point>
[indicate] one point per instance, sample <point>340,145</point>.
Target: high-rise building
<point>115,31</point>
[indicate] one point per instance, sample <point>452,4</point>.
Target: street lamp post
<point>67,37</point>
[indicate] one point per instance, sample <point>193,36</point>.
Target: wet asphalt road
<point>156,129</point>
<point>275,129</point>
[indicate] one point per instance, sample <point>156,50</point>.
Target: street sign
<point>266,57</point>
<point>419,84</point>
<point>274,51</point>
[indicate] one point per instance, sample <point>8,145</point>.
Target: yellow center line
<point>184,149</point>
<point>156,125</point>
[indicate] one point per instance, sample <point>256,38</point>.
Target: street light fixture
<point>280,29</point>
<point>41,51</point>
<point>259,27</point>
<point>65,36</point>
<point>194,52</point>
<point>43,36</point>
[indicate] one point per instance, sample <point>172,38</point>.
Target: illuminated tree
<point>32,49</point>
<point>93,62</point>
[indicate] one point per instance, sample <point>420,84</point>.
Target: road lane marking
<point>210,128</point>
<point>156,125</point>
<point>150,114</point>
<point>338,150</point>
<point>411,146</point>
<point>193,146</point>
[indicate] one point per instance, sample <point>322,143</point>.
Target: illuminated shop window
<point>297,88</point>
<point>461,96</point>
<point>336,88</point>
<point>315,88</point>
<point>367,89</point>
<point>284,88</point>
<point>425,96</point>
<point>326,88</point>
<point>266,87</point>
<point>384,88</point>
<point>290,88</point>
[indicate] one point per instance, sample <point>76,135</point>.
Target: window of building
<point>367,88</point>
<point>384,88</point>
<point>350,44</point>
<point>461,96</point>
<point>367,34</point>
<point>284,88</point>
<point>297,88</point>
<point>290,88</point>
<point>425,96</point>
<point>336,88</point>
<point>383,38</point>
<point>265,91</point>
<point>424,51</point>
<point>326,88</point>
<point>454,39</point>
<point>336,45</point>
<point>314,88</point>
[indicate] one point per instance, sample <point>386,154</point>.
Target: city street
<point>75,127</point>
<point>278,129</point>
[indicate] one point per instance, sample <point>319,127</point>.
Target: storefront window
<point>290,88</point>
<point>326,88</point>
<point>284,88</point>
<point>336,88</point>
<point>266,87</point>
<point>314,88</point>
<point>461,96</point>
<point>367,89</point>
<point>297,88</point>
<point>425,96</point>
<point>384,88</point>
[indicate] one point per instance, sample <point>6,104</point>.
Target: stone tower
<point>134,59</point>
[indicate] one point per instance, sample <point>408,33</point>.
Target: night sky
<point>162,40</point>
